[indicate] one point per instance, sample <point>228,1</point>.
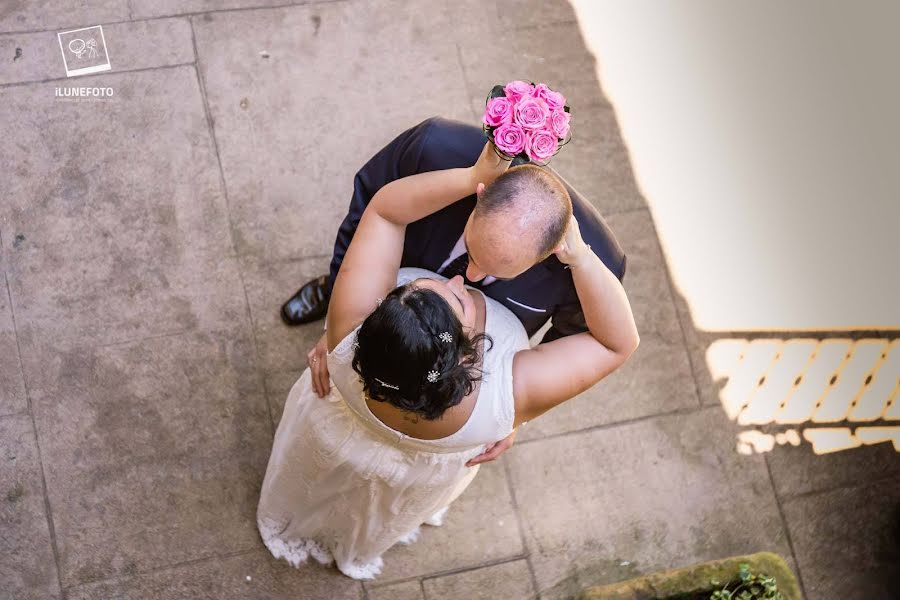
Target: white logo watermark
<point>84,51</point>
<point>85,93</point>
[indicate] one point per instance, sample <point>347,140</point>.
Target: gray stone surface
<point>848,541</point>
<point>551,53</point>
<point>292,131</point>
<point>510,581</point>
<point>12,386</point>
<point>269,284</point>
<point>147,255</point>
<point>153,451</point>
<point>408,590</point>
<point>798,470</point>
<point>695,500</point>
<point>596,162</point>
<point>534,13</point>
<point>43,15</point>
<point>161,8</point>
<point>130,45</point>
<point>657,378</point>
<point>27,567</point>
<point>480,527</point>
<point>226,579</point>
<point>116,217</point>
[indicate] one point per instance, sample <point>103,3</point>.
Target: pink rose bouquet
<point>526,121</point>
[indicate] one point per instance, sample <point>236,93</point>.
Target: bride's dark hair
<point>399,344</point>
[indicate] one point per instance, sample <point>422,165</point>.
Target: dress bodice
<point>494,412</point>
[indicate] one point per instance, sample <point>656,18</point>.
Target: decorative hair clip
<point>446,337</point>
<point>433,376</point>
<point>386,384</point>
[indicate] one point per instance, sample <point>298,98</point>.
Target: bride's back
<point>483,416</point>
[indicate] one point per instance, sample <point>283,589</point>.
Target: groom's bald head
<point>517,222</point>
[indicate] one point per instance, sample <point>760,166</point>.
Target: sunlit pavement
<point>149,238</point>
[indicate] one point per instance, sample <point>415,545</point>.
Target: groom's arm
<point>396,160</point>
<point>432,145</point>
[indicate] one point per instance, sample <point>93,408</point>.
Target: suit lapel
<point>526,287</point>
<point>444,231</point>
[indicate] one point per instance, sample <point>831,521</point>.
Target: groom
<point>500,247</point>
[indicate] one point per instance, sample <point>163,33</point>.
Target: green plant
<point>751,587</point>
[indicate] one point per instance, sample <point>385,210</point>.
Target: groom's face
<point>497,248</point>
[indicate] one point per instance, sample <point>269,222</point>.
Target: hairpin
<point>433,376</point>
<point>386,384</point>
<point>446,337</point>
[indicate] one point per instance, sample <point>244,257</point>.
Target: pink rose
<point>531,113</point>
<point>554,100</point>
<point>498,111</point>
<point>517,89</point>
<point>509,139</point>
<point>559,123</point>
<point>540,144</point>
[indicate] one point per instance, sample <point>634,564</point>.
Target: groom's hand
<point>494,450</point>
<point>318,366</point>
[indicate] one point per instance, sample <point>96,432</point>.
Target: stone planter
<point>696,579</point>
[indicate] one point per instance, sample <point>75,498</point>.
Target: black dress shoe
<point>309,304</point>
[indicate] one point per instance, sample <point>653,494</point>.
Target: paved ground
<point>148,240</point>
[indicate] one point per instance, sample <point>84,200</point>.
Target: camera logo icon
<point>84,51</point>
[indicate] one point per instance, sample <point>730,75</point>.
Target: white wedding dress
<point>343,487</point>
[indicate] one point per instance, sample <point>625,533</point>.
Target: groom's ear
<point>479,189</point>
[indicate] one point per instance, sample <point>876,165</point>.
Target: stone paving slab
<point>124,242</point>
<point>510,581</point>
<point>12,387</point>
<point>846,541</point>
<point>408,590</point>
<point>42,15</point>
<point>130,45</point>
<point>288,173</point>
<point>27,569</point>
<point>163,8</point>
<point>798,470</point>
<point>657,378</point>
<point>534,13</point>
<point>226,579</point>
<point>694,499</point>
<point>596,162</point>
<point>269,285</point>
<point>480,527</point>
<point>154,451</point>
<point>551,53</point>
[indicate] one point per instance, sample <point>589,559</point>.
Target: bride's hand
<point>489,166</point>
<point>572,248</point>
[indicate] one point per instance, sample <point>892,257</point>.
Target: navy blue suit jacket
<point>544,291</point>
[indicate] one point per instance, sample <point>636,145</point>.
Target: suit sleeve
<point>399,158</point>
<point>569,318</point>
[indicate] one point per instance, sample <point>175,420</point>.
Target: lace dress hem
<point>298,552</point>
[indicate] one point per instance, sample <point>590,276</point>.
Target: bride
<point>427,372</point>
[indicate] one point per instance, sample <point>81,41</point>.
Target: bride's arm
<point>369,270</point>
<point>551,373</point>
